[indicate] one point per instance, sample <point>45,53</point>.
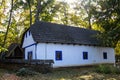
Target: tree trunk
<point>9,22</point>
<point>89,21</point>
<point>38,10</point>
<point>65,15</point>
<point>89,16</point>
<point>29,1</point>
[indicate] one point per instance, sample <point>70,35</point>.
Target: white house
<point>66,45</point>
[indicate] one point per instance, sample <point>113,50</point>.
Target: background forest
<point>102,15</point>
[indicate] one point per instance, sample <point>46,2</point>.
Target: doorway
<point>30,55</point>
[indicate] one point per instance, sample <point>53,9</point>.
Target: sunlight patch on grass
<point>111,79</point>
<point>62,79</point>
<point>86,77</point>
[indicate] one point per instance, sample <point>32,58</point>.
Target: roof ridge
<point>64,25</point>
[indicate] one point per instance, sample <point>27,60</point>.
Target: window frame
<point>105,55</point>
<point>85,55</point>
<point>58,53</point>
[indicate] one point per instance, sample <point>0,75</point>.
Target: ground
<point>86,73</point>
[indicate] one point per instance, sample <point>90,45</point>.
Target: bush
<point>103,69</point>
<point>107,69</point>
<point>25,72</point>
<point>115,70</point>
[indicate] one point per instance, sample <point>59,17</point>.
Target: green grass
<point>65,74</point>
<point>3,71</point>
<point>107,69</point>
<point>87,73</point>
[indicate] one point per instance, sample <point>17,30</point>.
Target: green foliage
<point>107,69</point>
<point>103,69</point>
<point>25,72</point>
<point>84,10</point>
<point>62,14</point>
<point>117,49</point>
<point>20,19</point>
<point>2,49</point>
<point>102,15</point>
<point>107,15</point>
<point>48,10</point>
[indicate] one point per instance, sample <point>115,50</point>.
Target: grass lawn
<point>86,73</point>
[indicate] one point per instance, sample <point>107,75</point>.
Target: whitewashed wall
<point>28,40</point>
<point>29,45</point>
<point>29,49</point>
<point>72,55</point>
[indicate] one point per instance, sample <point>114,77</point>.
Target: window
<point>85,55</point>
<point>104,55</point>
<point>30,54</point>
<point>26,35</point>
<point>58,55</point>
<point>29,33</point>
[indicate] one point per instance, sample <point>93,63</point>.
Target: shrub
<point>115,70</point>
<point>103,69</point>
<point>25,72</point>
<point>107,69</point>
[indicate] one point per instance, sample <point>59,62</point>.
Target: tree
<point>83,10</point>
<point>39,7</point>
<point>30,12</point>
<point>117,49</point>
<point>78,15</point>
<point>87,7</point>
<point>62,13</point>
<point>45,10</point>
<point>9,22</point>
<point>108,17</point>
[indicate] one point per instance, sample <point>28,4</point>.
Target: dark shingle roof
<point>56,33</point>
<point>12,48</point>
